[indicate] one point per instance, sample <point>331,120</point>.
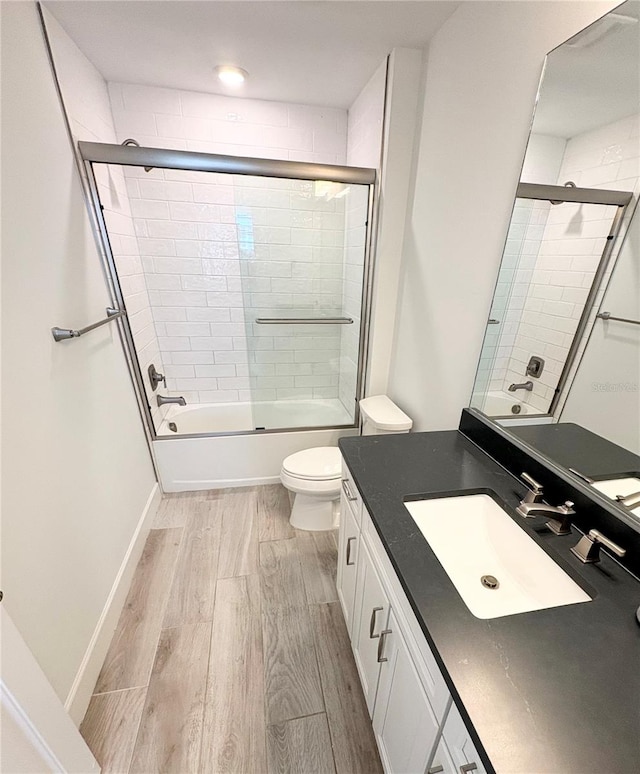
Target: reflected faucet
<point>630,500</point>
<point>162,400</point>
<point>528,386</point>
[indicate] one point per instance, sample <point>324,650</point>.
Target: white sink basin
<point>473,537</point>
<point>619,486</point>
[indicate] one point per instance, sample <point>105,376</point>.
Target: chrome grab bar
<point>304,320</point>
<point>609,316</point>
<point>61,334</point>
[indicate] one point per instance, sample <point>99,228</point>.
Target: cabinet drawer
<point>350,494</point>
<point>432,679</point>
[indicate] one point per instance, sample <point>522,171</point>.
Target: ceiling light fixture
<point>231,76</point>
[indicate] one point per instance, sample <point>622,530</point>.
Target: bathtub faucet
<point>528,386</point>
<point>162,400</point>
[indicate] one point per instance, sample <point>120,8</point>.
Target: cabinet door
<point>348,547</point>
<point>462,750</point>
<point>372,614</point>
<point>442,762</point>
<point>403,721</point>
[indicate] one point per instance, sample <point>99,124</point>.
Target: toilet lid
<point>318,464</point>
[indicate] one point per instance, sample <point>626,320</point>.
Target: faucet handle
<point>588,547</point>
<point>534,495</point>
<point>567,508</point>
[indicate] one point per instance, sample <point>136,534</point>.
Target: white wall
<point>364,149</point>
<point>395,177</point>
<point>605,395</point>
<point>88,109</point>
<point>76,471</point>
<point>482,75</point>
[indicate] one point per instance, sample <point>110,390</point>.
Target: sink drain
<point>490,581</point>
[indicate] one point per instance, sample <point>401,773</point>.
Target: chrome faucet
<point>528,386</point>
<point>531,505</point>
<point>162,400</point>
<point>630,500</point>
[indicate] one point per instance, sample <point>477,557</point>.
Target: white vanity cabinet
<point>367,637</point>
<point>348,548</point>
<point>417,727</point>
<point>404,724</point>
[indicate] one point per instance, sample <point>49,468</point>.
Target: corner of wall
<point>80,693</point>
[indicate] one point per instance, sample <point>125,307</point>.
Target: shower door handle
<point>304,320</point>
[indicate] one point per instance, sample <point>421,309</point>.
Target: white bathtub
<point>500,404</point>
<point>235,417</point>
<point>220,461</point>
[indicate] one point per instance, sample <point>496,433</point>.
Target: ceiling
<point>306,52</point>
<point>594,78</point>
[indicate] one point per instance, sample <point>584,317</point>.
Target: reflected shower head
<point>568,184</point>
<point>131,141</point>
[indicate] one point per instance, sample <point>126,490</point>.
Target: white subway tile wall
<point>210,123</point>
<point>556,292</point>
<point>221,250</point>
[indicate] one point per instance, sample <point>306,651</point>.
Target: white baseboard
<point>85,679</point>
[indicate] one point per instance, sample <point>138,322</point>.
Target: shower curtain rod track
<point>133,156</point>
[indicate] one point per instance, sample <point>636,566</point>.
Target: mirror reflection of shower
<point>555,266</point>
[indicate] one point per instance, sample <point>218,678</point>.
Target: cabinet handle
<point>347,490</point>
<point>349,562</point>
<point>383,637</point>
<point>372,623</point>
<point>435,769</point>
<point>468,767</point>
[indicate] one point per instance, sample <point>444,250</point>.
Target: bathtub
<point>261,415</point>
<point>500,404</point>
<point>235,459</point>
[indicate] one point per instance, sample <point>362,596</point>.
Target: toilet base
<point>313,514</point>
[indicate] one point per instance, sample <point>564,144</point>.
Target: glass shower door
<point>243,290</point>
<point>302,270</point>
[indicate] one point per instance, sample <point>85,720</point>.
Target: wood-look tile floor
<point>231,653</point>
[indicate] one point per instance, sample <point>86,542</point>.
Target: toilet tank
<point>380,415</point>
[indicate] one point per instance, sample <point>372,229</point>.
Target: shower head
<point>131,141</point>
<point>568,184</point>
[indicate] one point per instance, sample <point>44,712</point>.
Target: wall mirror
<point>560,362</point>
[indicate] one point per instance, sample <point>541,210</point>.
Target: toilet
<point>315,475</point>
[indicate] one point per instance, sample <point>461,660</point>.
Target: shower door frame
<point>136,156</point>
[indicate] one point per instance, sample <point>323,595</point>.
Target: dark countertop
<point>554,690</point>
<point>573,446</point>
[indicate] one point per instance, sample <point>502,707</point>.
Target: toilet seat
<point>322,463</point>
